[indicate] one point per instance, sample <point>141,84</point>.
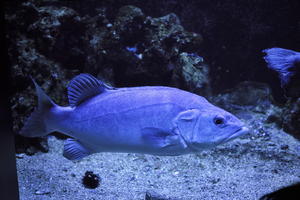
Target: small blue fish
<point>152,120</point>
<point>283,61</point>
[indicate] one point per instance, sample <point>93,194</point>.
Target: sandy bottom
<point>245,168</point>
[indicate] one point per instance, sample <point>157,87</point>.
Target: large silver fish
<point>153,120</point>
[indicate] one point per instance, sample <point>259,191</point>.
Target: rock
<point>20,156</point>
<point>31,145</point>
<point>284,147</point>
<point>274,116</point>
<point>246,96</point>
<point>42,192</point>
<point>291,117</point>
<point>90,180</point>
<point>124,22</point>
<point>155,196</point>
<point>140,50</point>
<point>286,117</point>
<point>192,69</point>
<point>290,192</point>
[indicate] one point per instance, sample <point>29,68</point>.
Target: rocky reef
<point>53,43</point>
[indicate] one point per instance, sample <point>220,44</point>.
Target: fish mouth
<point>241,131</point>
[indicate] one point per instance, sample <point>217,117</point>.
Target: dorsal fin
<point>83,87</point>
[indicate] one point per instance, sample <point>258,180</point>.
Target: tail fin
<point>282,60</point>
<point>35,125</point>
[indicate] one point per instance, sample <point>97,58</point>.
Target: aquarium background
<point>209,47</point>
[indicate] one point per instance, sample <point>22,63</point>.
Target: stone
<point>291,117</point>
<point>246,95</point>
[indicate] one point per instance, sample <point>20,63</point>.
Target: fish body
<point>152,119</point>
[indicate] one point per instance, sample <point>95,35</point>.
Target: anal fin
<point>74,150</point>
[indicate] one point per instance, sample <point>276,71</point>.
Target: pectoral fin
<point>73,150</point>
<point>159,138</point>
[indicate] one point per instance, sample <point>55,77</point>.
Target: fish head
<point>210,127</point>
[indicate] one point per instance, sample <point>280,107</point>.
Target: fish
<point>155,120</point>
<point>284,61</point>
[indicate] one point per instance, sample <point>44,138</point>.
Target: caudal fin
<point>282,60</point>
<point>35,125</point>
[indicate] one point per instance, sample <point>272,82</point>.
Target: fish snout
<point>239,132</point>
<point>244,130</point>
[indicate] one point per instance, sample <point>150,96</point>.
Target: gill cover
<point>186,124</point>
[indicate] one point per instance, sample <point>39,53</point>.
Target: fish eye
<point>219,121</point>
